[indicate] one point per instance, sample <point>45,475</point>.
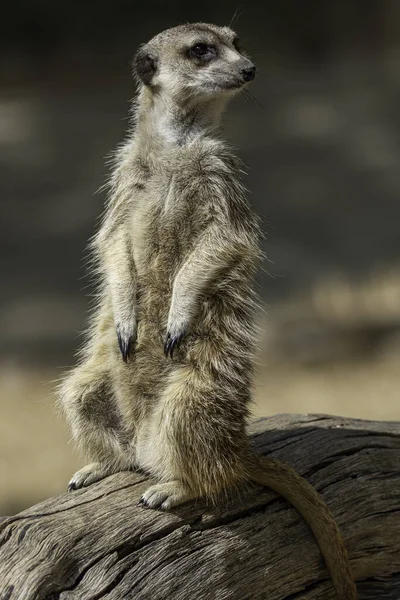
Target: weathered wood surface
<point>96,543</point>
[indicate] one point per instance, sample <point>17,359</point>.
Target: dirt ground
<point>37,458</point>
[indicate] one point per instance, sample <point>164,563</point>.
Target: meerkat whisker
<point>236,16</point>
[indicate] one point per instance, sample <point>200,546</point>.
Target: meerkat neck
<point>163,123</point>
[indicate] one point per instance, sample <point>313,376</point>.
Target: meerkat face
<point>194,62</point>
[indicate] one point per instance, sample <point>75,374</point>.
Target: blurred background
<point>321,140</point>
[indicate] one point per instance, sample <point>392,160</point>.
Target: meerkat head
<point>193,62</point>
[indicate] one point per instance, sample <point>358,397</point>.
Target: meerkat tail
<point>303,496</point>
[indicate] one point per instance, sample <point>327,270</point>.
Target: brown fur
<point>177,254</point>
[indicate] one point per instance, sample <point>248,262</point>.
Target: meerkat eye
<point>237,45</point>
<point>203,51</point>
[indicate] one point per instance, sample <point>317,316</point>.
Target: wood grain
<point>96,543</point>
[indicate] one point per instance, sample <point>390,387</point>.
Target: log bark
<point>96,543</point>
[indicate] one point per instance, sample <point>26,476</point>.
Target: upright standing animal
<point>177,254</point>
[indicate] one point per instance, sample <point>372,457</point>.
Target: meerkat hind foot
<point>88,475</point>
<point>166,495</point>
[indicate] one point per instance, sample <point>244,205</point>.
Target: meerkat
<point>164,378</point>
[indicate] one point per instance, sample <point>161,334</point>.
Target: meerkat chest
<point>157,220</point>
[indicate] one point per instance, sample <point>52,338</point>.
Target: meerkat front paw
<point>126,339</point>
<point>177,326</point>
<point>166,495</point>
<point>88,475</point>
<point>171,342</point>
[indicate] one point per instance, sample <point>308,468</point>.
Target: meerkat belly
<point>159,249</point>
<point>160,244</point>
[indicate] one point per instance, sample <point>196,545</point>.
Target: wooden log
<point>96,543</point>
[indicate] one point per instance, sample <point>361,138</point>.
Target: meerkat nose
<point>248,73</point>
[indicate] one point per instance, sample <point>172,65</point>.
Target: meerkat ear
<point>144,65</point>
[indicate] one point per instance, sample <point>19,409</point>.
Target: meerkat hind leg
<point>88,475</point>
<point>166,495</point>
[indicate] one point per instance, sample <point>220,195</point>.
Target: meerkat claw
<point>125,347</point>
<point>164,496</point>
<point>125,342</point>
<point>88,475</point>
<point>171,343</point>
<point>168,346</point>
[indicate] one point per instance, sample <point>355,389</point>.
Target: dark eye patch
<point>202,51</point>
<point>237,45</point>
